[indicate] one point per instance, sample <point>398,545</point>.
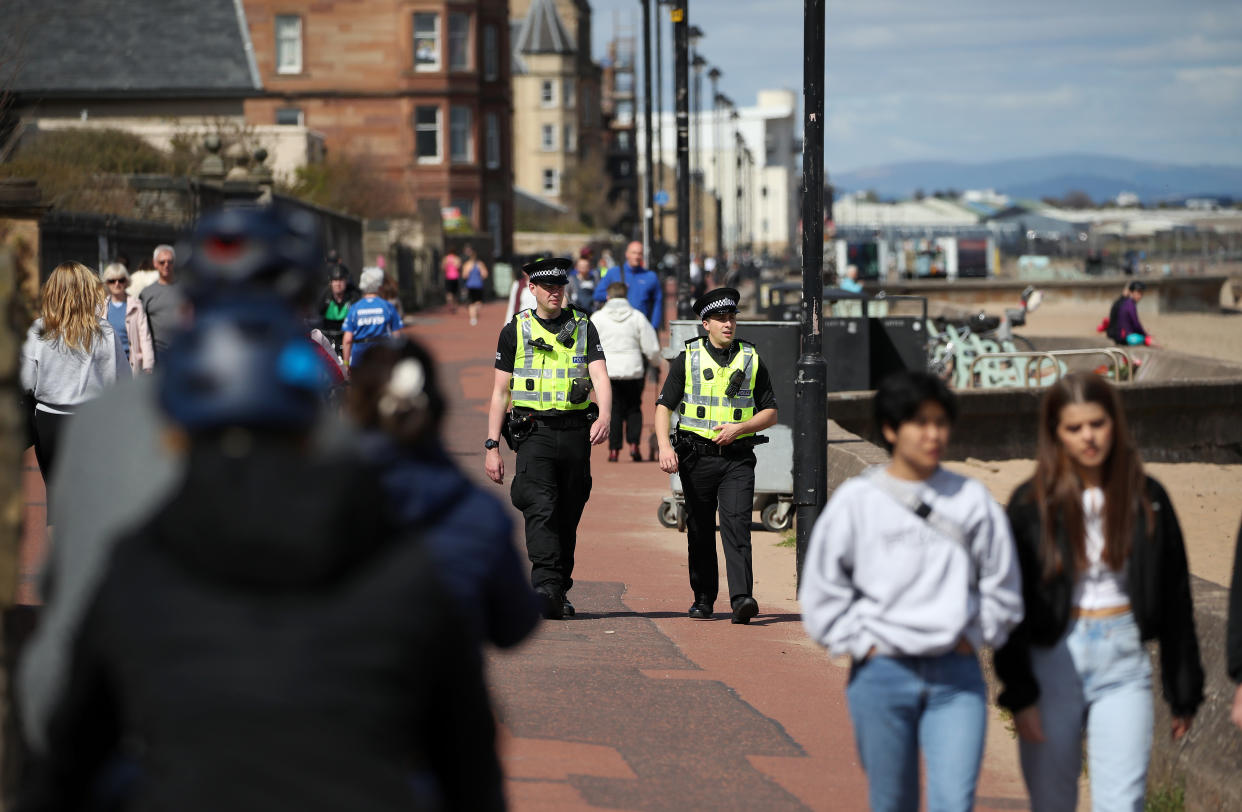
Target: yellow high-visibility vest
<point>542,377</point>
<point>704,403</point>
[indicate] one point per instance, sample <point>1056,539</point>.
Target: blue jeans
<point>900,705</point>
<point>1098,678</point>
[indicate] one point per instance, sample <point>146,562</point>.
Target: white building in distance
<point>765,213</point>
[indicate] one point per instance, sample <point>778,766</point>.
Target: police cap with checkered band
<point>720,300</point>
<point>554,270</point>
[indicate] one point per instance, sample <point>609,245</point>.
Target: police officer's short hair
<point>902,393</point>
<point>618,290</point>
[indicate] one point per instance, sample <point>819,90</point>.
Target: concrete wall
<point>1206,761</point>
<point>1165,294</point>
<point>1178,421</point>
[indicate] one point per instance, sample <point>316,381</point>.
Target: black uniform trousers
<point>627,412</point>
<point>726,483</point>
<point>551,487</point>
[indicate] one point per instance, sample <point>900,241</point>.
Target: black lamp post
<point>723,105</point>
<point>648,210</point>
<point>659,137</point>
<point>735,180</point>
<point>811,389</point>
<point>696,169</point>
<point>713,76</point>
<point>681,74</point>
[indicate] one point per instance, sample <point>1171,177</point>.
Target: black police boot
<point>701,609</point>
<point>744,608</point>
<point>567,608</point>
<point>552,602</point>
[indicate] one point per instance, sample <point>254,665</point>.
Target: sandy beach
<point>1208,497</point>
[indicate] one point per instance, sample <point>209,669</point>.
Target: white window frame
<point>427,67</point>
<point>492,141</point>
<point>439,125</point>
<point>547,137</point>
<point>464,37</point>
<point>547,93</point>
<point>290,40</point>
<point>570,141</point>
<point>455,124</point>
<point>568,92</point>
<point>553,188</point>
<point>491,54</point>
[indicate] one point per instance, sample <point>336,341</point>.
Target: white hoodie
<point>627,338</point>
<point>878,576</point>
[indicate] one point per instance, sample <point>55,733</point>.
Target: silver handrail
<point>1117,357</point>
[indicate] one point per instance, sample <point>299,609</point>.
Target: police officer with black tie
<point>548,360</point>
<point>723,395</point>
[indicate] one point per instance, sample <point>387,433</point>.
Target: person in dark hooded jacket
<point>396,399</point>
<point>268,639</point>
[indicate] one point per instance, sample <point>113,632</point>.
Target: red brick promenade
<point>631,705</point>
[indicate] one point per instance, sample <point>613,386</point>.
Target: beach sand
<point>1207,497</point>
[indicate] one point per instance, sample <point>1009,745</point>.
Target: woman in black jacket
<point>1103,569</point>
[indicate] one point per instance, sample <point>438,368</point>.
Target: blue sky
<point>976,80</point>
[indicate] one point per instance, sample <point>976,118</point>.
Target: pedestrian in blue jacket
<point>646,293</point>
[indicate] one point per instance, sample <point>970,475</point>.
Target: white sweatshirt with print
<point>878,576</point>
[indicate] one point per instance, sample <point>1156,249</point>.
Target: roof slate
<point>542,31</point>
<point>135,48</point>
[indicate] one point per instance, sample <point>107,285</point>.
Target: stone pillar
<point>20,210</point>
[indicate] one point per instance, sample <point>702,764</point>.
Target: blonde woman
<point>71,354</point>
<point>128,319</point>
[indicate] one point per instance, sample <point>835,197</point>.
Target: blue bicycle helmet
<point>244,363</point>
<point>270,248</point>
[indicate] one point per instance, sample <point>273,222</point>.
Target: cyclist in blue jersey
<point>369,319</point>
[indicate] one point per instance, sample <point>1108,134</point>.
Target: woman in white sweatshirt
<point>911,570</point>
<point>71,353</point>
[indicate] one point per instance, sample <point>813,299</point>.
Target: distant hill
<point>1100,176</point>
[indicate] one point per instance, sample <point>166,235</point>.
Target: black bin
<point>847,341</point>
<point>898,337</point>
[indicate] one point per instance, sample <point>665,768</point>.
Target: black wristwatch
<point>489,444</point>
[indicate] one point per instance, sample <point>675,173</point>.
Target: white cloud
<point>1219,85</point>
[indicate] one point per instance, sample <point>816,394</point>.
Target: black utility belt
<point>706,448</point>
<point>553,420</point>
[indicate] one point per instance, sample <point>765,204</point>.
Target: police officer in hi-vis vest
<point>547,362</point>
<point>722,394</point>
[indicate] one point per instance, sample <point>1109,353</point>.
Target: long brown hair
<point>72,297</point>
<point>1058,488</point>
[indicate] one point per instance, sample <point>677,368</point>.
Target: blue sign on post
<point>661,198</point>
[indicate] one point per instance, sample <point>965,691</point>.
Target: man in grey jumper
<point>164,302</point>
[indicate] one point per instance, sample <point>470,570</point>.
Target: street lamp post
<point>681,76</point>
<point>734,180</point>
<point>811,387</point>
<point>697,62</point>
<point>648,180</point>
<point>713,76</point>
<point>659,129</point>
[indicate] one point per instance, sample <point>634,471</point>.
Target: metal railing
<point>1120,361</point>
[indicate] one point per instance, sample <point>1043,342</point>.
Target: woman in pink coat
<point>128,319</point>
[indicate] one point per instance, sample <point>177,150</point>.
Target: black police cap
<point>720,300</point>
<point>552,269</point>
